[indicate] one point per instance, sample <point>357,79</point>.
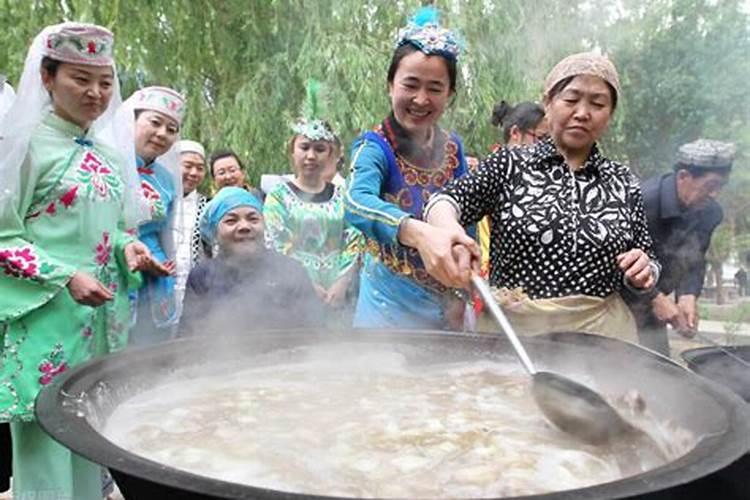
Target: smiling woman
<point>158,115</point>
<point>66,258</point>
<point>395,168</point>
<point>569,227</point>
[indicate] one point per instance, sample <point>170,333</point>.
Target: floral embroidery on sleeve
<point>54,366</point>
<point>20,262</point>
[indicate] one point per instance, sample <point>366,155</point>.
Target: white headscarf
<point>32,103</point>
<point>142,100</point>
<point>7,95</point>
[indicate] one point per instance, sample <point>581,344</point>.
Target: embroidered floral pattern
<point>103,250</point>
<point>53,366</point>
<point>99,179</point>
<point>155,202</point>
<point>20,262</point>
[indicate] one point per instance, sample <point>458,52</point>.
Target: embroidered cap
<point>424,32</point>
<point>161,99</point>
<point>707,153</point>
<point>80,43</point>
<point>186,146</point>
<point>584,63</point>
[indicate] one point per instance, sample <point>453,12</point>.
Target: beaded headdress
<point>424,32</point>
<point>311,124</point>
<point>80,43</point>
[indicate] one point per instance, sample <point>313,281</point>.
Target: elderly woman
<point>158,116</point>
<point>568,224</point>
<point>267,289</point>
<point>67,259</point>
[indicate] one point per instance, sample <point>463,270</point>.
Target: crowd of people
<point>106,242</point>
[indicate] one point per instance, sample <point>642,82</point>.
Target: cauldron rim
<point>76,432</point>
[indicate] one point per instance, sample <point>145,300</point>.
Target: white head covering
<point>33,102</point>
<point>171,104</point>
<point>186,146</point>
<point>7,95</point>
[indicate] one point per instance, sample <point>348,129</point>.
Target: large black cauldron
<point>74,407</point>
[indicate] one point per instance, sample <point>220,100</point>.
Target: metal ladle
<point>570,406</point>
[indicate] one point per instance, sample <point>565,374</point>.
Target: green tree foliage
<point>243,64</point>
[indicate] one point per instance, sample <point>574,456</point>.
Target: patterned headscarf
<point>584,63</point>
<point>226,199</point>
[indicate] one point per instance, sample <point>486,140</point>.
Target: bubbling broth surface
<point>371,424</point>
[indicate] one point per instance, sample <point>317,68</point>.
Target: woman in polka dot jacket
<point>569,228</point>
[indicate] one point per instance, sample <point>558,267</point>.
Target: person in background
<point>682,214</point>
<point>394,170</point>
<point>305,216</point>
<point>254,287</point>
<point>331,173</point>
<point>521,125</point>
<point>188,246</point>
<point>740,277</point>
<point>226,169</point>
<point>568,229</point>
<point>67,199</point>
<point>158,115</point>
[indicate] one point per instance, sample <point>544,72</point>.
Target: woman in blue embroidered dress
<point>158,112</point>
<point>395,169</point>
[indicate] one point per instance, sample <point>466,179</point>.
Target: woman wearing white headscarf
<point>158,113</point>
<point>66,257</point>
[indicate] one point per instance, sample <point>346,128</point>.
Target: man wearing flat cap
<point>682,214</point>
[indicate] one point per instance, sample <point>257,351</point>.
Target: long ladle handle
<point>484,291</point>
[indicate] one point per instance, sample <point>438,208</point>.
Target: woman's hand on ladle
<point>637,268</point>
<point>436,247</point>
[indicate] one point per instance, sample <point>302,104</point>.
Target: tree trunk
<point>717,269</point>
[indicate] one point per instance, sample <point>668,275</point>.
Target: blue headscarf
<point>226,199</point>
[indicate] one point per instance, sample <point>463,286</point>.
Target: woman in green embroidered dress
<point>305,216</point>
<point>66,259</point>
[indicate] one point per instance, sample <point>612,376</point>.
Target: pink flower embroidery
<point>20,262</point>
<point>149,192</point>
<point>51,209</point>
<point>68,198</point>
<point>87,332</point>
<point>97,172</point>
<point>103,250</point>
<point>50,371</point>
<point>54,366</point>
<point>91,47</point>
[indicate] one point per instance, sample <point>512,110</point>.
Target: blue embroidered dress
<point>385,188</point>
<point>156,311</point>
